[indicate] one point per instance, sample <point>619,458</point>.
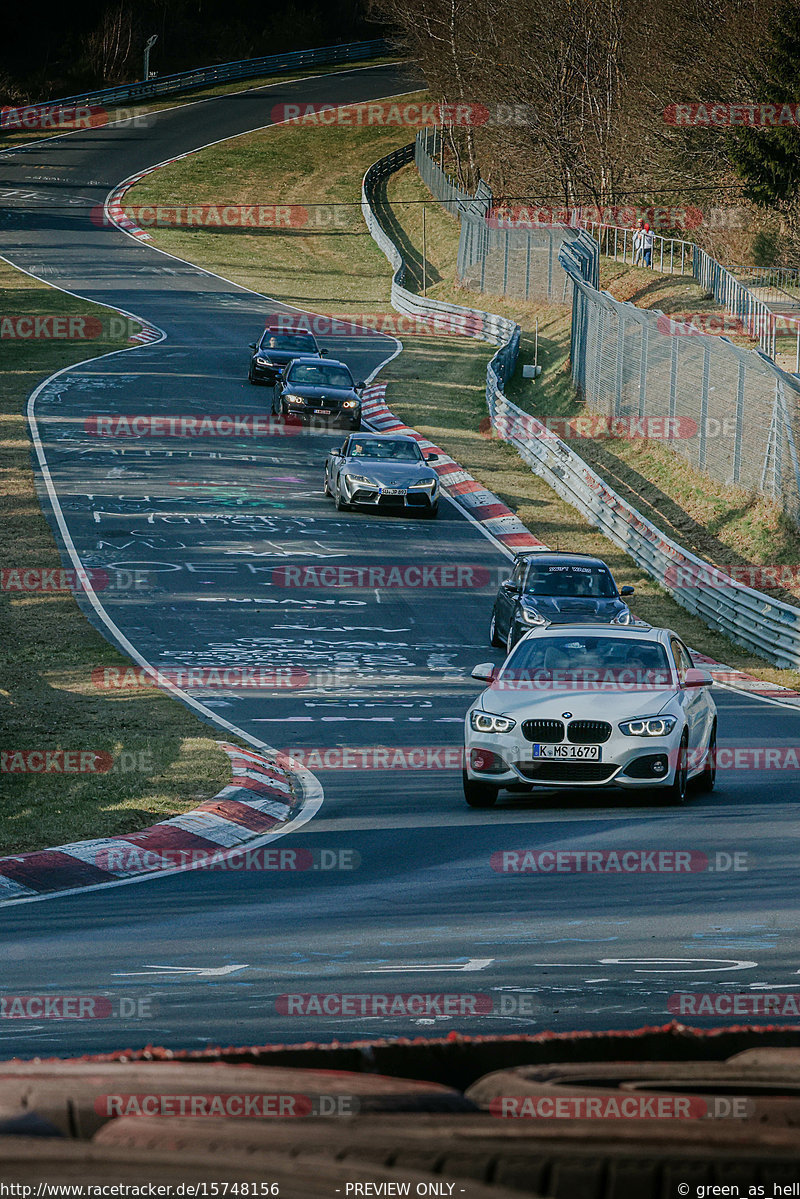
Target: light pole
<point>151,41</point>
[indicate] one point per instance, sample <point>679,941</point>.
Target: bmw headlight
<point>485,722</point>
<point>351,478</point>
<point>290,399</point>
<point>528,616</point>
<point>427,483</point>
<point>350,404</point>
<point>624,617</point>
<point>262,361</point>
<point>648,726</point>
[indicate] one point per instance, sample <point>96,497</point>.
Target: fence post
<point>617,397</point>
<point>528,266</point>
<point>645,326</point>
<point>549,265</point>
<point>737,444</point>
<point>505,261</point>
<point>701,458</point>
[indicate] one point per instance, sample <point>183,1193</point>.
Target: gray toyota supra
<point>383,472</point>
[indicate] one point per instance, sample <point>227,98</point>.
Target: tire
<point>250,378</point>
<point>356,426</point>
<point>676,793</point>
<point>705,783</point>
<point>496,641</point>
<point>341,505</point>
<point>327,485</point>
<point>478,795</point>
<point>510,638</point>
<point>430,513</point>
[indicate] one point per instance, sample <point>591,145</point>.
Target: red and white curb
<point>740,680</point>
<point>506,528</point>
<point>113,211</point>
<point>116,213</point>
<point>259,799</point>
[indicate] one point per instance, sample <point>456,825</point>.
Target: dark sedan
<point>320,392</point>
<point>275,350</point>
<point>555,588</point>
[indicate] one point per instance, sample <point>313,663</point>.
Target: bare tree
<point>111,45</point>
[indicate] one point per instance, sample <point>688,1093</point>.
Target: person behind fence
<point>637,243</point>
<point>647,245</point>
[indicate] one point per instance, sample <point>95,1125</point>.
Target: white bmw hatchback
<point>592,707</point>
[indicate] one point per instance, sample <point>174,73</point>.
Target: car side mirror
<point>323,353</point>
<point>252,345</point>
<point>510,587</point>
<point>697,678</point>
<point>432,457</point>
<point>485,671</point>
<point>627,591</point>
<point>360,386</point>
<point>335,452</point>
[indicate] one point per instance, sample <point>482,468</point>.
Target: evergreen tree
<point>767,157</point>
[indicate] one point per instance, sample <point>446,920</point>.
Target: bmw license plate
<point>320,412</point>
<point>393,491</point>
<point>585,753</point>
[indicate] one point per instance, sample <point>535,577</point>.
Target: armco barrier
<point>497,330</point>
<point>750,618</point>
<point>247,68</point>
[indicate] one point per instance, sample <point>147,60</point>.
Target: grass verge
<point>165,759</point>
<point>437,384</point>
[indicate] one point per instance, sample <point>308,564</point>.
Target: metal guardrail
<point>247,68</point>
<point>750,618</point>
<point>768,627</point>
<point>756,318</point>
<point>784,280</point>
<point>487,326</point>
<point>671,255</point>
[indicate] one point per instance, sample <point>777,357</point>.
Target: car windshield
<point>397,451</point>
<point>320,374</point>
<point>551,579</point>
<point>303,342</point>
<point>601,656</point>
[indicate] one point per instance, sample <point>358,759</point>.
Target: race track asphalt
<point>211,523</point>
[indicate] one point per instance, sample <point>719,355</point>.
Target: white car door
<point>695,704</point>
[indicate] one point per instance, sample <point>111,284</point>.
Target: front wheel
<point>430,513</point>
<point>676,793</point>
<point>510,638</point>
<point>341,504</point>
<point>494,636</point>
<point>708,778</point>
<point>327,485</point>
<point>478,795</point>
